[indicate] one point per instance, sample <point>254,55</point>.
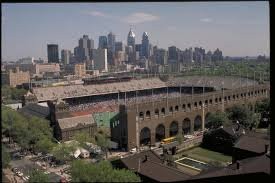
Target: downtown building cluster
<point>114,55</point>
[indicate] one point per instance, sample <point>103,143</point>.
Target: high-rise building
<point>82,52</point>
<point>65,56</point>
<point>111,42</point>
<point>161,56</point>
<point>172,54</point>
<point>53,56</point>
<point>131,43</point>
<point>145,45</point>
<point>100,60</point>
<point>217,55</point>
<point>119,46</point>
<point>102,42</point>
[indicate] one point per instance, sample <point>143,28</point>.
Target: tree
<point>38,176</point>
<point>103,142</point>
<point>62,152</point>
<point>82,138</point>
<point>262,106</point>
<point>215,120</point>
<point>82,171</point>
<point>44,145</point>
<point>241,114</point>
<point>5,157</point>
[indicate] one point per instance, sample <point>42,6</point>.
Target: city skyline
<point>28,28</point>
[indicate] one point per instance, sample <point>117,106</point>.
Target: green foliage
<point>82,138</point>
<point>5,157</point>
<point>62,152</point>
<point>103,141</point>
<point>262,106</point>
<point>44,145</point>
<point>10,93</point>
<point>215,120</point>
<point>26,131</point>
<point>38,176</point>
<point>82,171</point>
<point>241,114</point>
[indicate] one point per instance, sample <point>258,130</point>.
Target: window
<point>171,109</point>
<point>141,115</point>
<point>183,107</point>
<point>148,114</point>
<point>163,111</point>
<point>176,108</point>
<point>156,112</point>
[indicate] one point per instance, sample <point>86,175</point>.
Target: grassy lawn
<point>206,155</point>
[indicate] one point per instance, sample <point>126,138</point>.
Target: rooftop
<point>153,167</point>
<point>252,143</point>
<point>72,122</point>
<point>259,164</point>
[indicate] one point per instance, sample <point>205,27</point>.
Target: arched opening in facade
<point>186,126</point>
<point>160,132</point>
<point>176,108</point>
<point>156,112</point>
<point>198,123</point>
<point>183,107</point>
<point>174,128</point>
<point>141,115</point>
<point>163,111</point>
<point>189,107</point>
<point>145,136</point>
<point>148,114</point>
<point>171,109</point>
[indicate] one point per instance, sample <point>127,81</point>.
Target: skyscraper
<point>111,42</point>
<point>100,60</point>
<point>82,52</point>
<point>53,56</point>
<point>131,43</point>
<point>145,45</point>
<point>172,54</point>
<point>65,56</point>
<point>102,42</point>
<point>119,46</point>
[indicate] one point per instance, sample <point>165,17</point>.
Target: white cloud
<point>97,14</point>
<point>139,17</point>
<point>206,20</point>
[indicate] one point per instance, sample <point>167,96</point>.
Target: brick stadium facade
<point>154,120</point>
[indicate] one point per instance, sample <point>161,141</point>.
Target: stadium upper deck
<point>75,91</point>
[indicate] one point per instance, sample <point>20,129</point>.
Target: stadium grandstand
<point>98,98</point>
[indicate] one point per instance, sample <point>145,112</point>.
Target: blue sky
<point>237,28</point>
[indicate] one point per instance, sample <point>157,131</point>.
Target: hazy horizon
<point>236,28</point>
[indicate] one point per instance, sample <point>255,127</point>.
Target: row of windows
<point>176,108</point>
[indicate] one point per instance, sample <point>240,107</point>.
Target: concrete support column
<point>137,135</point>
<point>180,127</point>
<point>167,131</point>
<point>153,136</point>
<point>192,126</point>
<point>203,116</point>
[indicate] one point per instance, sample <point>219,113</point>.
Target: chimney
<point>266,148</point>
<point>238,165</point>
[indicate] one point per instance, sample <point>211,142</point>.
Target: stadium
<point>103,97</point>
